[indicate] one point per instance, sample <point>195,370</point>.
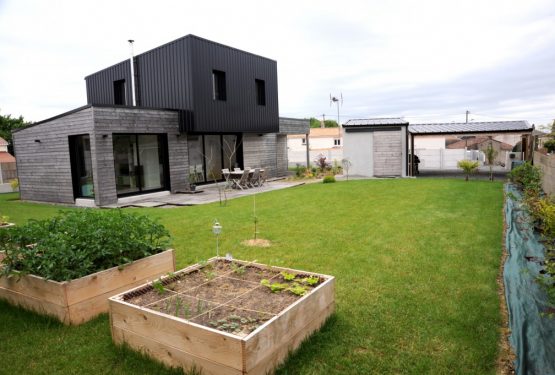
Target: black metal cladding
<point>178,75</point>
<point>100,85</point>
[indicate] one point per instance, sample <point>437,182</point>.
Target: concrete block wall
<point>547,165</point>
<point>44,167</point>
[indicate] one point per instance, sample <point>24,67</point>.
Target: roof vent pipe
<point>132,64</point>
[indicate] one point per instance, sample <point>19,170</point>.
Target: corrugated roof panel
<point>376,122</point>
<point>471,127</point>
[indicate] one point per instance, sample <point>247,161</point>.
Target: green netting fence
<point>532,330</point>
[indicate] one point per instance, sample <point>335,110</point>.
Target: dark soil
<point>182,306</point>
<point>221,289</point>
<point>224,295</point>
<point>252,273</point>
<point>233,320</point>
<point>262,299</point>
<point>146,296</point>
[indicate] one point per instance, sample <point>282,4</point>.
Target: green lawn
<point>416,262</point>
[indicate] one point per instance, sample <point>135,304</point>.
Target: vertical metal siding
<point>178,75</point>
<point>100,85</point>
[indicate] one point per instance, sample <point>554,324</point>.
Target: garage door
<point>387,153</point>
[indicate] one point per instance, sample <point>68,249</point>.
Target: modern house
<point>186,110</point>
<point>8,169</point>
<point>376,147</point>
<point>320,141</point>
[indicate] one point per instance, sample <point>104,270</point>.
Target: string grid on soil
<point>224,295</point>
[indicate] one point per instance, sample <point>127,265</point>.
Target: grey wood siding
<point>281,155</point>
<point>259,151</point>
<point>44,167</point>
<point>294,125</point>
<point>387,153</point>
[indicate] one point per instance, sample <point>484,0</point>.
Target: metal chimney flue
<point>132,64</point>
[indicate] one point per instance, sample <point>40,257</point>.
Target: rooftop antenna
<point>338,102</point>
<point>132,63</point>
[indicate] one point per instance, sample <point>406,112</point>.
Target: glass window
<point>218,85</point>
<point>260,92</point>
<point>81,166</point>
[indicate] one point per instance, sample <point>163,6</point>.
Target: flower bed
<point>231,317</point>
<point>79,300</point>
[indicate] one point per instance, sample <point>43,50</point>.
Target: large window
<point>210,153</point>
<point>260,92</point>
<point>81,166</point>
<point>140,162</point>
<point>218,85</point>
<point>119,92</point>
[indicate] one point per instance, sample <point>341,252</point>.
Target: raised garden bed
<point>79,300</point>
<point>223,317</point>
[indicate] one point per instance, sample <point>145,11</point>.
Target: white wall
<point>429,141</point>
<point>358,149</point>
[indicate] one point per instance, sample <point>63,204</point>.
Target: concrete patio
<point>205,194</point>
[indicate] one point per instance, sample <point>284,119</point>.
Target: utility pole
<point>323,124</point>
<point>467,113</point>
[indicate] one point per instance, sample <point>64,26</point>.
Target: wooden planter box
<point>79,300</point>
<point>178,342</point>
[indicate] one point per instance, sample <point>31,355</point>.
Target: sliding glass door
<point>81,166</point>
<point>140,163</point>
<point>210,153</point>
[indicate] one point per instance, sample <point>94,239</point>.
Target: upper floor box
<point>216,88</point>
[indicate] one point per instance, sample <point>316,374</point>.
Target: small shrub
<point>14,184</point>
<point>322,163</point>
<point>80,242</point>
<point>528,177</point>
<point>468,166</point>
<point>329,179</point>
<point>300,170</point>
<point>549,145</point>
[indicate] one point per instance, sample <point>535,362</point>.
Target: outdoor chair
<point>262,178</point>
<point>243,183</point>
<point>254,179</point>
<point>237,169</point>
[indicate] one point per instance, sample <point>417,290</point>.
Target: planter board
<point>80,300</point>
<point>193,341</point>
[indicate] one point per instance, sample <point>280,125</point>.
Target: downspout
<point>412,172</point>
<point>132,63</point>
<point>407,151</point>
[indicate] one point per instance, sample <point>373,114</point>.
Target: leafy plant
<point>288,276</point>
<point>14,184</point>
<point>322,163</point>
<point>238,269</point>
<point>300,170</point>
<point>275,287</point>
<point>328,179</point>
<point>528,177</point>
<point>468,166</point>
<point>4,220</point>
<point>158,286</point>
<point>297,289</point>
<point>311,280</point>
<point>549,145</point>
<point>80,242</point>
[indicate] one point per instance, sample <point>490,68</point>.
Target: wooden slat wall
<point>387,153</point>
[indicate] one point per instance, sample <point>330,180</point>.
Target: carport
<point>466,131</point>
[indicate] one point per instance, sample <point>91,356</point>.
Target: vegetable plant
<point>77,243</point>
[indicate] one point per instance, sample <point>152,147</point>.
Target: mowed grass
<point>415,263</point>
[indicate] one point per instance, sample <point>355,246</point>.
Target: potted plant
<point>193,179</point>
<point>468,166</point>
<point>69,265</point>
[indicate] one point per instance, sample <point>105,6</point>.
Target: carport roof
<point>471,127</point>
<point>376,122</point>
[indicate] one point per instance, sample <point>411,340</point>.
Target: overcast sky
<point>426,60</point>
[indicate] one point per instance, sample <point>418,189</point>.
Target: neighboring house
<point>321,141</point>
<point>8,169</point>
<point>482,144</point>
<point>376,147</point>
<point>200,107</point>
